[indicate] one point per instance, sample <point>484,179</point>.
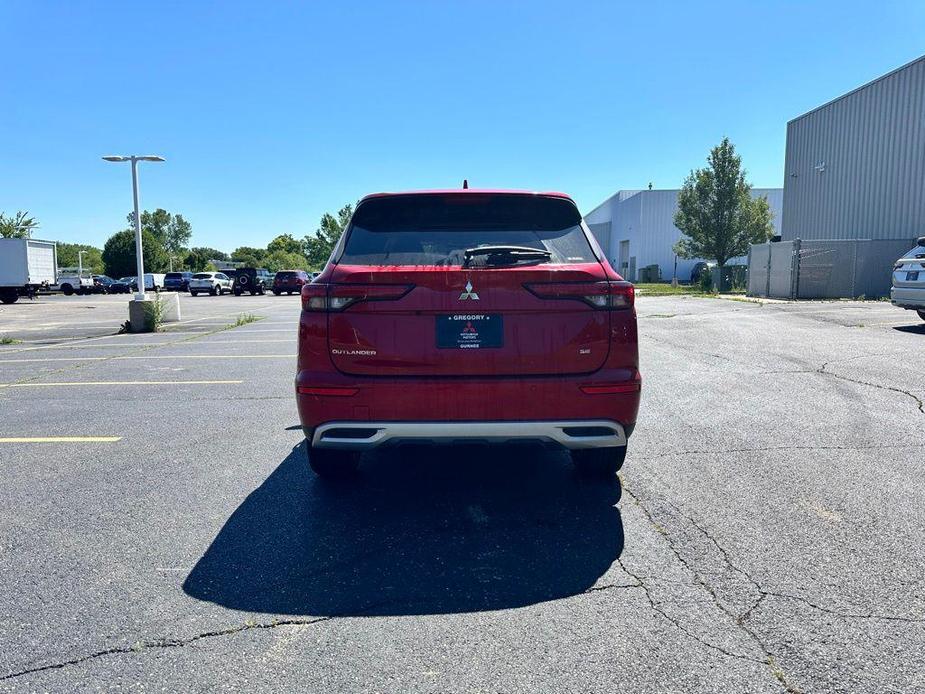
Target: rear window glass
<point>173,276</point>
<point>438,229</point>
<point>202,276</point>
<point>285,275</point>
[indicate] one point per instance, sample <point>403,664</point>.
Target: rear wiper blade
<point>507,254</point>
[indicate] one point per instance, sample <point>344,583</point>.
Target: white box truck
<point>26,265</point>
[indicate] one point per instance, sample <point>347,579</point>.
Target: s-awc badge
<point>469,331</point>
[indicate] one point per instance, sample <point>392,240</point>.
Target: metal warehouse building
<point>636,228</point>
<point>854,192</point>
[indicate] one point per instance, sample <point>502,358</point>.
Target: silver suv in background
<point>908,290</point>
<point>215,283</point>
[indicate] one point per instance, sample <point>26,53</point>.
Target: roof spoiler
<point>921,241</point>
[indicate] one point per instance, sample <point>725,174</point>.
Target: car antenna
<point>465,184</point>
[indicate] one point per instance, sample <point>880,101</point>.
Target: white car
<point>211,282</point>
<point>908,290</point>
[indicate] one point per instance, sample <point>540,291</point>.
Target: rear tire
<point>921,314</point>
<point>237,292</point>
<point>67,289</point>
<point>213,291</point>
<point>333,464</point>
<point>599,462</point>
<point>194,293</point>
<point>9,296</point>
<point>277,292</point>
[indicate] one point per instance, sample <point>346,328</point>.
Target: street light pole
<point>139,254</point>
<point>80,263</point>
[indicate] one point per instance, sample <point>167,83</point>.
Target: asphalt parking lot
<point>765,533</point>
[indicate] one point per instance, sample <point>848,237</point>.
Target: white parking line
<point>115,383</point>
<point>60,439</point>
<point>152,356</point>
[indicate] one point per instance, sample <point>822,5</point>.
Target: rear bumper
<point>502,403</point>
<point>572,435</point>
<point>908,297</point>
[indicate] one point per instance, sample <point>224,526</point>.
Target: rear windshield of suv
<point>438,229</point>
<point>202,276</point>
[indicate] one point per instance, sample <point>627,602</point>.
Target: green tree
<point>319,245</point>
<point>283,260</point>
<point>716,212</point>
<point>286,243</point>
<point>170,230</point>
<point>251,257</point>
<point>119,254</point>
<point>198,258</point>
<point>92,259</point>
<point>19,226</point>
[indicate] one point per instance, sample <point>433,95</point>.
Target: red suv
<point>289,281</point>
<point>467,315</point>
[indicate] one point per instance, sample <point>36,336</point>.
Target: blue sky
<point>272,113</point>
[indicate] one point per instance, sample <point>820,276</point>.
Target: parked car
<point>102,284</point>
<point>312,276</point>
<point>467,315</point>
<point>908,289</point>
<point>253,280</point>
<point>215,283</point>
<point>289,281</point>
<point>123,285</point>
<point>177,281</point>
<point>699,269</point>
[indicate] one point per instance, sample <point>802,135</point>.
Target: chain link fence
<point>824,269</point>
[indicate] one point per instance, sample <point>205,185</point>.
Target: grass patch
<point>244,319</point>
<point>10,341</point>
<point>154,316</point>
<point>665,289</point>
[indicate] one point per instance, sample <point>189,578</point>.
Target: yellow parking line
<point>116,383</point>
<point>60,439</point>
<point>158,356</point>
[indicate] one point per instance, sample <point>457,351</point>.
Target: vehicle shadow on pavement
<point>918,329</point>
<point>418,532</point>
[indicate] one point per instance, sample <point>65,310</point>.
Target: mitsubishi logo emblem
<point>468,293</point>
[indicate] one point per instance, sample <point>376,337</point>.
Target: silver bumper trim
<point>571,434</point>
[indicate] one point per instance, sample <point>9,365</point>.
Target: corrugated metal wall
<point>645,218</point>
<point>855,167</point>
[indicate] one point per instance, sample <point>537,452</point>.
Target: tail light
<point>337,297</point>
<point>600,295</point>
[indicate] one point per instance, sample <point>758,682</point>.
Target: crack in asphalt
<point>737,619</point>
<point>762,592</point>
<point>139,646</point>
<point>655,607</point>
<point>918,400</point>
<point>766,449</point>
<point>167,642</point>
<point>765,593</point>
